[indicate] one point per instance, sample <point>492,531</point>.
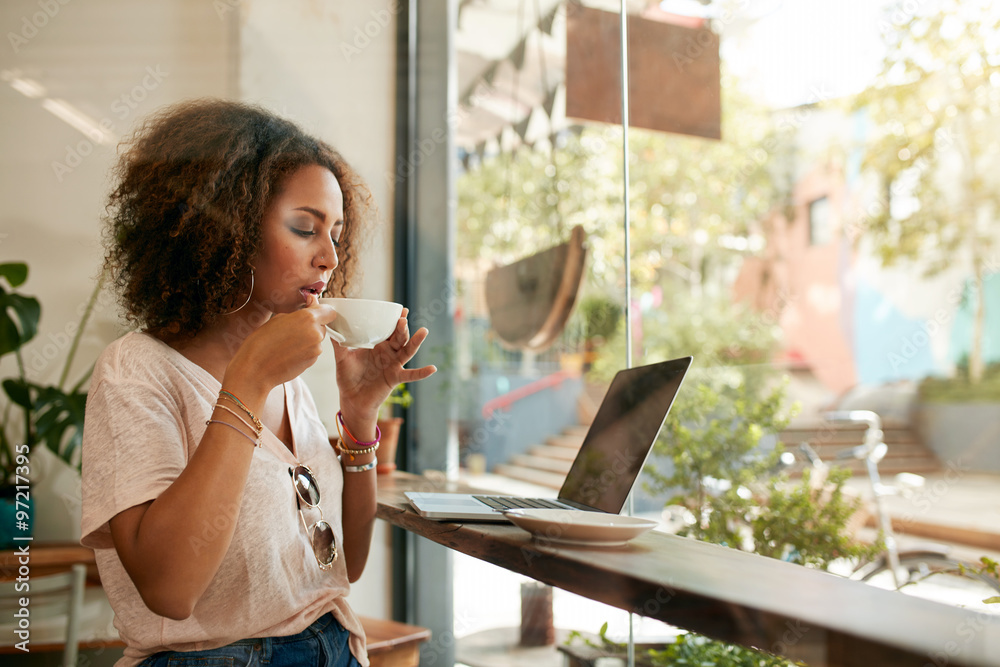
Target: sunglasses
<point>324,544</point>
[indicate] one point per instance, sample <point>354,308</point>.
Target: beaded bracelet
<point>250,426</point>
<point>253,417</point>
<point>372,447</point>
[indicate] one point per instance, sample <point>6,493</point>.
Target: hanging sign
<point>674,82</point>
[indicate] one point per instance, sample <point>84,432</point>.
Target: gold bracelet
<point>353,452</point>
<point>232,397</point>
<point>250,426</point>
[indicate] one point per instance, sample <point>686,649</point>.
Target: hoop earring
<point>248,295</point>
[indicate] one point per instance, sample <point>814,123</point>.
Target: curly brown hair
<point>184,220</point>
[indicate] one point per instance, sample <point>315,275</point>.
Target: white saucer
<point>578,527</point>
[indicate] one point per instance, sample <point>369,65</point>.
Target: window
<point>820,227</point>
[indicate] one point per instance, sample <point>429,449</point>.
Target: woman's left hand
<point>365,378</point>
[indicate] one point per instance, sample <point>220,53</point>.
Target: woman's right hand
<point>281,349</point>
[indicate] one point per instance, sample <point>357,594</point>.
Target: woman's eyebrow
<point>313,211</point>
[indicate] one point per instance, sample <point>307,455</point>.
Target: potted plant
<point>48,414</point>
<point>390,427</point>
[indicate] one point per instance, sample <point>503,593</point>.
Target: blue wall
<point>889,346</point>
<point>528,422</point>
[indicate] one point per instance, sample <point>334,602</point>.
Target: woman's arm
<point>359,500</point>
<point>160,543</point>
<point>365,379</point>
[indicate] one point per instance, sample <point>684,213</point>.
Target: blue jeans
<point>324,644</point>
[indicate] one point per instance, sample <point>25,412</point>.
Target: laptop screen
<point>622,435</point>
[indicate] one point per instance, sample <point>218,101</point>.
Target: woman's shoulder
<point>134,356</point>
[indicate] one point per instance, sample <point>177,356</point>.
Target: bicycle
<point>927,571</point>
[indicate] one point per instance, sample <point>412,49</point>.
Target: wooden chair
<point>393,644</point>
<point>53,601</point>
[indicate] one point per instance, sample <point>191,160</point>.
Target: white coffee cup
<point>362,323</point>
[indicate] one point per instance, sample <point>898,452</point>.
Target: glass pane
<point>828,250</point>
<point>539,264</point>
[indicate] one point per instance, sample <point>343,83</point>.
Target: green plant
<point>710,460</point>
<point>989,568</point>
<point>400,396</point>
<point>600,317</point>
<point>733,489</point>
<point>50,414</point>
<point>960,389</point>
<point>806,523</point>
<point>687,649</point>
<point>692,649</point>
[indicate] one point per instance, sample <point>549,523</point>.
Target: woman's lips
<point>315,289</point>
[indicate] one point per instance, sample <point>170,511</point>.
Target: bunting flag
<point>521,128</point>
<point>517,55</point>
<point>545,25</point>
<point>550,101</point>
<point>490,74</point>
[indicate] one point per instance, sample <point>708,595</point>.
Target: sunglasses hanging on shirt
<point>324,544</point>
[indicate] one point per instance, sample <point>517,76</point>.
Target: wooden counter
<point>804,614</point>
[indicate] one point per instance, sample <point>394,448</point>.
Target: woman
<point>224,524</point>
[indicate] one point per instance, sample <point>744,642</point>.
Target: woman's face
<point>300,233</point>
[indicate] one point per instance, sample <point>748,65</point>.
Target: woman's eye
<point>336,242</point>
<point>304,232</point>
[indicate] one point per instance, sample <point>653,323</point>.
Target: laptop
<point>610,459</point>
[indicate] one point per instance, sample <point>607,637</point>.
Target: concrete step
<point>830,452</point>
<point>887,467</point>
<point>568,441</point>
<point>906,452</point>
<point>542,463</point>
<point>550,452</point>
<point>844,435</point>
<point>549,480</point>
<point>579,430</point>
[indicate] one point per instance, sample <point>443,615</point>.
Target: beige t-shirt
<point>146,414</point>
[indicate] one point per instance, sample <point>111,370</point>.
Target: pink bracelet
<point>362,445</point>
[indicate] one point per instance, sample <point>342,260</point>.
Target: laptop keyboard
<point>510,502</point>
